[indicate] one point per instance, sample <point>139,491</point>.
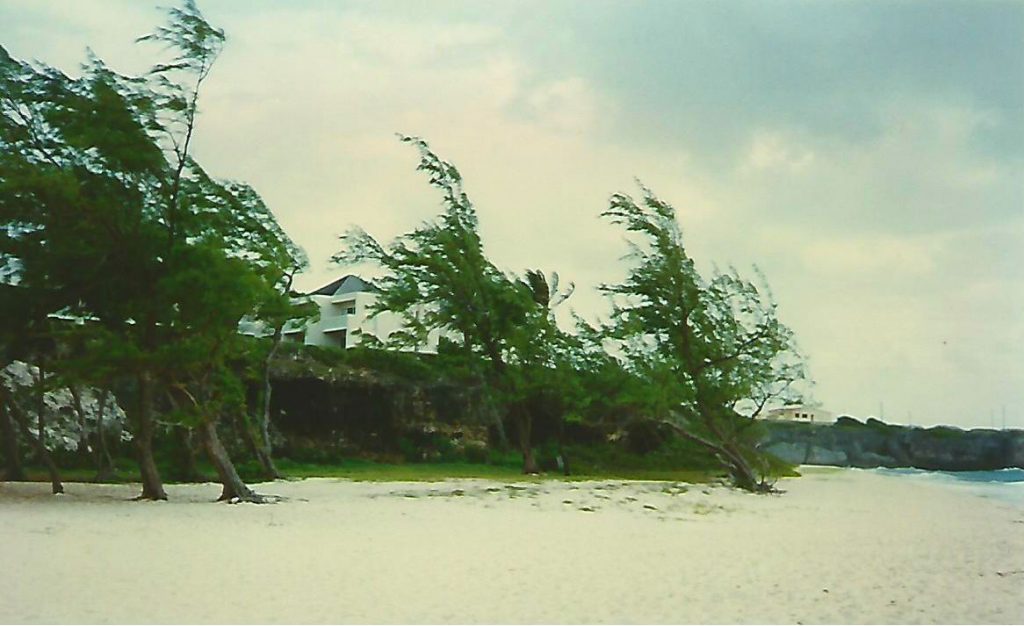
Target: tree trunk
<point>234,488</point>
<point>37,442</point>
<point>270,471</point>
<point>743,476</point>
<point>41,412</point>
<point>187,467</point>
<point>524,424</point>
<point>83,437</point>
<point>105,462</point>
<point>145,426</point>
<point>261,452</point>
<point>264,449</point>
<point>563,458</point>
<point>489,410</point>
<point>12,455</point>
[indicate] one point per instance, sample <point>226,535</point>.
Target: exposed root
<point>253,498</point>
<point>144,498</point>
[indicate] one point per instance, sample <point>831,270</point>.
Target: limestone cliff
<point>850,443</point>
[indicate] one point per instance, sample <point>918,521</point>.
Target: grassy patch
<point>397,472</point>
<point>361,470</point>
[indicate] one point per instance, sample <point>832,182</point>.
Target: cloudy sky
<point>867,156</point>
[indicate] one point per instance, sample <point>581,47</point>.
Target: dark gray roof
<point>346,284</point>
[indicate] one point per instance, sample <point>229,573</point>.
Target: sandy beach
<point>839,546</point>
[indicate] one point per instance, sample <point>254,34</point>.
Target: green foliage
<point>498,328</point>
<point>105,215</point>
<point>437,276</point>
<point>102,203</point>
<point>411,366</point>
<point>712,350</point>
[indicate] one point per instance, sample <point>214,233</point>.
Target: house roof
<point>346,284</point>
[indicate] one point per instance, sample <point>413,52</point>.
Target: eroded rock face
<point>850,443</point>
<point>349,414</point>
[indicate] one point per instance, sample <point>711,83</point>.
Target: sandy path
<point>843,546</point>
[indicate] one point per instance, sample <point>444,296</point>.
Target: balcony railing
<point>333,323</point>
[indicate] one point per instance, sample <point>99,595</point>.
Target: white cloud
<point>773,151</point>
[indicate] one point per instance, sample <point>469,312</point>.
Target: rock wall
<point>344,416</point>
<point>850,443</point>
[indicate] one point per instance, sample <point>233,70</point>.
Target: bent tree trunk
<point>263,447</point>
<point>742,474</point>
<point>12,455</point>
<point>229,478</point>
<point>22,420</point>
<point>145,426</point>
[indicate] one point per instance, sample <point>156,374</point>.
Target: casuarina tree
<point>438,278</point>
<point>712,349</point>
<point>107,216</point>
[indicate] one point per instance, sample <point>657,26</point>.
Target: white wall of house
<point>345,318</point>
<point>801,413</point>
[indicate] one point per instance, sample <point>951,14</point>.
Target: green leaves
<point>194,41</point>
<point>104,213</point>
<point>712,349</point>
<point>438,276</point>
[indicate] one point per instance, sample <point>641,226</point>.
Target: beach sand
<point>842,546</point>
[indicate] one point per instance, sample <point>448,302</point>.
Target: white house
<point>801,413</point>
<point>344,317</point>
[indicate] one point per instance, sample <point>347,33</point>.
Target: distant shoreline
<point>850,443</point>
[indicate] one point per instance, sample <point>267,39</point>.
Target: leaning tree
<point>103,204</point>
<point>711,349</point>
<point>438,278</point>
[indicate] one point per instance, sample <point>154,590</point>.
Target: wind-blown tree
<point>243,269</point>
<point>547,371</point>
<point>102,203</point>
<point>437,277</point>
<point>712,349</point>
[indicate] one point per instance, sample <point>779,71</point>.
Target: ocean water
<point>1006,485</point>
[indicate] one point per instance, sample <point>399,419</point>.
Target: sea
<point>1006,485</point>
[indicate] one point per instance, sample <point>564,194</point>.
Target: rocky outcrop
<point>325,412</point>
<point>850,443</point>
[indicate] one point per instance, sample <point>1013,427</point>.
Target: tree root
<point>144,498</point>
<point>253,498</point>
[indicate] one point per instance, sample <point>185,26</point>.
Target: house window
<point>350,310</point>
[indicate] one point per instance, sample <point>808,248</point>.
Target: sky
<point>867,157</point>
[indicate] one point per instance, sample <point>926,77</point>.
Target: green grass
<point>360,470</point>
<point>369,471</point>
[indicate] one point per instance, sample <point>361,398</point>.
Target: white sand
<point>839,546</point>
